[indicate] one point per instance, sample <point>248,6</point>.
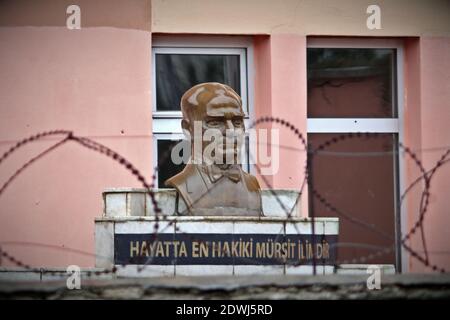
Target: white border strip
<point>363,43</point>
<point>241,52</point>
<point>327,125</point>
<point>173,125</point>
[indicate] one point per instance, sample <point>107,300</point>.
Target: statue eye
<point>237,122</point>
<point>213,123</point>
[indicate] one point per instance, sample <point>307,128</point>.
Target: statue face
<point>230,122</point>
<point>218,113</point>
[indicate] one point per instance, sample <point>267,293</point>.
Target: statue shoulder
<point>181,182</point>
<point>181,177</point>
<point>251,182</point>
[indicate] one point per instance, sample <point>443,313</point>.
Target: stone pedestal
<point>131,202</point>
<point>144,246</point>
<point>130,237</point>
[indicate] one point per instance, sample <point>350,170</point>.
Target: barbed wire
<point>426,176</point>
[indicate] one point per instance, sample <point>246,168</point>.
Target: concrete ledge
<point>216,219</point>
<point>129,202</point>
<point>410,286</point>
<point>354,269</point>
<point>16,274</point>
<point>126,228</point>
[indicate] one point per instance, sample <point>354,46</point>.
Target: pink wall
<point>263,90</point>
<point>94,81</point>
<point>280,63</point>
<point>426,122</point>
<point>413,139</point>
<point>434,126</point>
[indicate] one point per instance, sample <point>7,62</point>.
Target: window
<point>355,86</point>
<point>179,70</point>
<point>182,62</point>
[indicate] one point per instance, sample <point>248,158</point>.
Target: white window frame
<point>374,125</point>
<point>166,125</point>
<point>156,138</point>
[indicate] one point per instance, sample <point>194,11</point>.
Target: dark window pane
<point>357,176</point>
<point>351,83</point>
<point>176,73</point>
<point>166,167</point>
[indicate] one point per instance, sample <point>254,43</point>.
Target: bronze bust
<point>211,184</point>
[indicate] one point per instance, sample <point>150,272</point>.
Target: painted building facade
<point>102,82</point>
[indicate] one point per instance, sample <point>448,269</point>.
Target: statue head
<point>214,119</point>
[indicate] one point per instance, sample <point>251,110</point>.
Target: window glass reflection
<point>351,83</point>
<point>176,73</point>
<point>166,167</point>
<point>357,176</point>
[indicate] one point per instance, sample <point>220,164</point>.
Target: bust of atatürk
<point>213,182</point>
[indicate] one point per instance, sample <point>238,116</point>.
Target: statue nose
<point>229,124</point>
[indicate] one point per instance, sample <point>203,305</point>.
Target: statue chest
<point>223,197</point>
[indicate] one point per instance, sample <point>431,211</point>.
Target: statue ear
<point>185,125</point>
